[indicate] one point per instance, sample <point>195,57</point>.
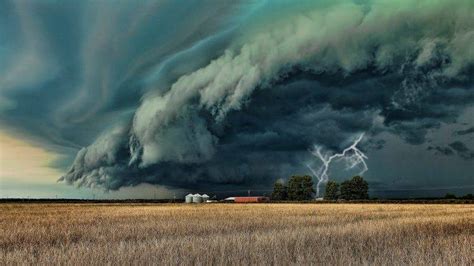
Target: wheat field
<point>232,234</point>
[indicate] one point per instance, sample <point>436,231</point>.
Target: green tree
<point>354,189</point>
<point>332,190</point>
<point>279,191</point>
<point>468,196</point>
<point>300,188</point>
<point>449,196</point>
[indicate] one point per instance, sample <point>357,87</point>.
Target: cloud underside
<point>252,97</point>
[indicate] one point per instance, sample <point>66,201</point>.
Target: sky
<point>155,99</point>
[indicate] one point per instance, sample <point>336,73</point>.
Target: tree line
<point>300,188</point>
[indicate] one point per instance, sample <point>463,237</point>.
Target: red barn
<point>257,199</point>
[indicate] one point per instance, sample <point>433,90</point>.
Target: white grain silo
<point>205,198</point>
<point>188,198</point>
<point>197,198</point>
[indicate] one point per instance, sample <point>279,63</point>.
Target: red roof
<point>251,199</point>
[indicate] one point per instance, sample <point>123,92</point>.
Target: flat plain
<point>237,234</point>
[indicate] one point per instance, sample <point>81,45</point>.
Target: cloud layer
<point>235,95</point>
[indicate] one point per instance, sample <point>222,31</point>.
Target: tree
<point>449,196</point>
<point>332,190</point>
<point>468,196</point>
<point>279,191</point>
<point>354,189</point>
<point>300,188</point>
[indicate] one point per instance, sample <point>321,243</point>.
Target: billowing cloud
<point>236,94</point>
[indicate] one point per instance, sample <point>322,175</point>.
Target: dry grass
<point>231,234</point>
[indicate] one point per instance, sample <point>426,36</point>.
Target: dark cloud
<point>233,95</point>
<point>442,150</point>
<point>462,150</point>
<point>456,147</point>
<point>465,132</point>
<point>459,146</point>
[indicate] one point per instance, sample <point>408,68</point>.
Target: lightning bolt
<point>352,156</point>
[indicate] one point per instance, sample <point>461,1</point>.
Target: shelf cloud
<point>232,94</point>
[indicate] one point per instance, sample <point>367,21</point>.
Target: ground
<point>237,234</point>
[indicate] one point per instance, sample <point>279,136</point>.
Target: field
<point>232,234</point>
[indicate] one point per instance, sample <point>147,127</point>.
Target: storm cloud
<point>233,94</point>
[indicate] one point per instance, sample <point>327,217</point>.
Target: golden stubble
<point>233,234</point>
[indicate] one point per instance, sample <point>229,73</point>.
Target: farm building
<point>196,198</point>
<point>188,198</point>
<point>229,199</point>
<point>256,199</point>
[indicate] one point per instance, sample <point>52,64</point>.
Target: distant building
<point>229,199</point>
<point>188,198</point>
<point>256,199</point>
<point>197,198</point>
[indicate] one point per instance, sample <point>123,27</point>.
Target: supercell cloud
<point>234,94</point>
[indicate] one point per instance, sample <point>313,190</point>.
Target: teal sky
<point>155,98</point>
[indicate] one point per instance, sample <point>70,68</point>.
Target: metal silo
<point>188,198</point>
<point>197,198</point>
<point>205,198</point>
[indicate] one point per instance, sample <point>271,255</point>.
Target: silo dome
<point>204,197</point>
<point>197,198</point>
<point>188,198</point>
